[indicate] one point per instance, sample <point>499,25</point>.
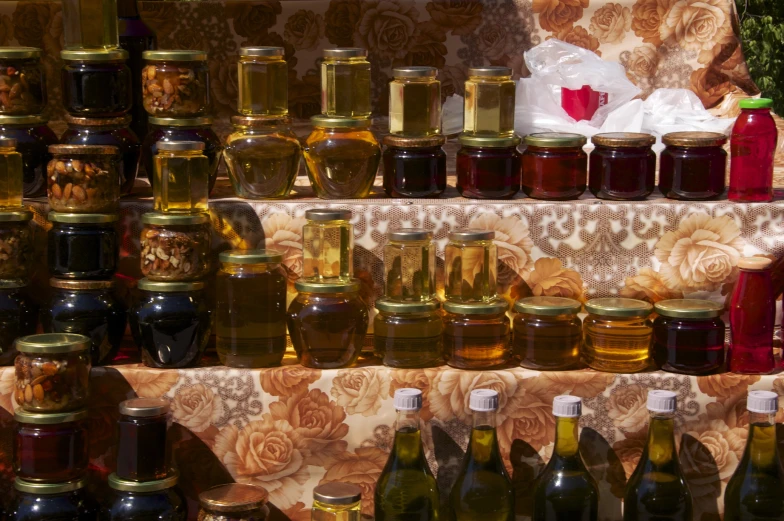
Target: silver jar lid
<point>410,234</point>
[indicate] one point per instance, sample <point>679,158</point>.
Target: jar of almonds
<point>83,178</point>
<point>175,83</point>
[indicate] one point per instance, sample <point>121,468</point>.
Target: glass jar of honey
<point>90,25</point>
<point>142,451</point>
<point>547,333</point>
<point>18,317</point>
<point>50,447</point>
<point>414,102</point>
<point>693,166</point>
<point>96,83</point>
<point>33,138</point>
<point>83,179</point>
<point>617,335</point>
<point>83,245</point>
<point>234,502</point>
<point>410,265</point>
<point>182,177</point>
<point>23,82</point>
<point>175,83</point>
<point>345,83</point>
<point>131,500</point>
<point>263,82</point>
<point>470,266</point>
<point>175,247</point>
<point>337,502</point>
<point>327,245</point>
<point>489,102</point>
<point>46,501</point>
<point>408,334</point>
<point>414,167</point>
<point>688,336</point>
<point>488,167</point>
<point>11,177</point>
<point>622,166</point>
<point>16,244</point>
<point>477,334</point>
<point>555,167</point>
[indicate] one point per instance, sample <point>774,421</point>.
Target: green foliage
<point>762,33</point>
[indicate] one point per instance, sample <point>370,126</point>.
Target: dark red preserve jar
<point>693,167</point>
<point>51,447</point>
<point>555,167</point>
<point>142,450</point>
<point>488,167</point>
<point>414,167</point>
<point>622,166</point>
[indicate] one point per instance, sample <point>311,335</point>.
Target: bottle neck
<point>408,448</point>
<point>484,419</point>
<point>483,445</point>
<point>407,421</point>
<point>761,448</point>
<point>660,447</point>
<point>566,438</point>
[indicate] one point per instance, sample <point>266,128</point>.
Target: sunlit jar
<point>48,501</point>
<point>176,83</point>
<point>83,245</point>
<point>622,166</point>
<point>555,167</point>
<point>547,333</point>
<point>342,157</point>
<point>410,265</point>
<point>234,502</point>
<point>327,245</point>
<point>345,83</point>
<point>50,447</point>
<point>470,266</point>
<point>408,334</point>
<point>16,244</point>
<point>262,156</point>
<point>415,102</point>
<point>22,82</point>
<point>477,334</point>
<point>327,323</point>
<point>90,25</point>
<point>182,177</point>
<point>617,335</point>
<point>33,138</point>
<point>18,317</point>
<point>489,102</point>
<point>688,336</point>
<point>156,499</point>
<point>142,451</point>
<point>175,247</point>
<point>337,501</point>
<point>414,167</point>
<point>83,179</point>
<point>693,167</point>
<point>96,83</point>
<point>59,364</point>
<point>263,82</point>
<point>488,167</point>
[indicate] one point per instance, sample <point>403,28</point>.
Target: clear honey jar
<point>263,82</point>
<point>617,335</point>
<point>337,502</point>
<point>410,265</point>
<point>234,502</point>
<point>477,334</point>
<point>327,245</point>
<point>182,177</point>
<point>415,102</point>
<point>471,266</point>
<point>90,25</point>
<point>489,102</point>
<point>345,83</point>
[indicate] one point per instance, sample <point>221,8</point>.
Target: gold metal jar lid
<point>125,485</point>
<point>410,234</point>
<point>493,307</point>
<point>393,306</point>
<point>259,121</point>
<point>12,283</point>
<point>555,140</point>
<point>320,120</point>
<point>14,216</point>
<point>175,55</point>
<point>46,489</point>
<point>337,493</point>
<point>146,284</point>
<point>8,142</point>
<point>233,497</point>
<point>36,119</point>
<point>328,214</point>
<point>81,285</point>
<point>83,150</point>
<point>414,72</point>
<point>492,70</point>
<point>121,121</point>
<point>391,140</point>
<point>346,52</point>
<point>94,55</point>
<point>83,218</point>
<point>19,53</point>
<point>144,407</point>
<point>260,256</point>
<point>262,51</point>
<point>694,139</point>
<point>202,121</point>
<point>471,235</point>
<point>689,308</point>
<point>623,139</point>
<point>181,146</point>
<point>754,263</point>
<point>53,343</point>
<point>351,286</point>
<point>35,418</point>
<point>488,141</point>
<point>549,306</point>
<point>174,219</point>
<point>618,307</point>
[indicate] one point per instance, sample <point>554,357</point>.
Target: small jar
<point>414,167</point>
<point>90,25</point>
<point>408,334</point>
<point>688,336</point>
<point>89,308</point>
<point>477,334</point>
<point>171,323</point>
<point>336,501</point>
<point>345,83</point>
<point>555,167</point>
<point>176,84</point>
<point>327,245</point>
<point>22,82</point>
<point>182,177</point>
<point>410,265</point>
<point>16,244</point>
<point>489,102</point>
<point>617,335</point>
<point>18,317</point>
<point>49,501</point>
<point>33,138</point>
<point>114,132</point>
<point>142,451</point>
<point>262,156</point>
<point>250,322</point>
<point>263,82</point>
<point>342,157</point>
<point>175,247</point>
<point>327,323</point>
<point>132,500</point>
<point>470,266</point>
<point>83,179</point>
<point>622,166</point>
<point>50,447</point>
<point>415,102</point>
<point>547,333</point>
<point>234,502</point>
<point>83,245</point>
<point>96,83</point>
<point>488,167</point>
<point>693,166</point>
<point>52,372</point>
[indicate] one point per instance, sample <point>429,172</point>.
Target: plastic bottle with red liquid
<point>752,317</point>
<point>752,147</point>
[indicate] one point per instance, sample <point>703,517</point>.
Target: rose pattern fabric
<point>196,407</point>
<point>610,23</point>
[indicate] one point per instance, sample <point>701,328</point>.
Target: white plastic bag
<point>679,110</point>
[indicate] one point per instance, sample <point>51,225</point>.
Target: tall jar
<point>489,102</point>
<point>83,179</point>
<point>477,334</point>
<point>83,245</point>
<point>142,451</point>
<point>22,82</point>
<point>263,82</point>
<point>11,176</point>
<point>488,167</point>
<point>181,177</point>
<point>555,167</point>
<point>414,167</point>
<point>16,244</point>
<point>51,447</point>
<point>753,318</point>
<point>688,336</point>
<point>622,166</point>
<point>470,266</point>
<point>617,335</point>
<point>234,502</point>
<point>410,265</point>
<point>415,102</point>
<point>327,245</point>
<point>176,83</point>
<point>335,501</point>
<point>47,501</point>
<point>156,499</point>
<point>250,293</point>
<point>408,334</point>
<point>753,150</point>
<point>96,83</point>
<point>90,25</point>
<point>345,83</point>
<point>175,247</point>
<point>693,166</point>
<point>33,138</point>
<point>18,317</point>
<point>547,333</point>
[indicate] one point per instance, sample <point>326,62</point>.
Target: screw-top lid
<point>390,305</point>
<point>179,145</point>
<point>234,497</point>
<point>175,55</point>
<point>144,407</point>
<point>471,140</point>
<point>757,103</point>
<point>618,307</point>
<point>51,343</point>
<point>694,139</point>
<point>754,263</point>
<point>324,121</point>
<point>50,418</point>
<point>94,55</point>
<point>174,219</point>
<point>262,51</point>
<point>414,72</point>
<point>260,256</point>
<point>483,400</point>
<point>567,406</point>
<point>329,286</point>
<point>47,489</point>
<point>471,235</point>
<point>408,399</point>
<point>142,487</point>
<point>492,70</point>
<point>328,214</point>
<point>30,120</point>
<point>662,401</point>
<point>21,215</point>
<point>689,308</point>
<point>410,234</point>
<point>80,285</point>
<point>345,52</point>
<point>623,139</point>
<point>491,307</point>
<point>555,140</point>
<point>202,121</point>
<point>83,150</point>
<point>391,140</point>
<point>146,284</point>
<point>19,53</point>
<point>337,493</point>
<point>764,402</point>
<point>120,121</point>
<point>550,306</point>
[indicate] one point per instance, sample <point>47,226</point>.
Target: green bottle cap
<point>756,103</point>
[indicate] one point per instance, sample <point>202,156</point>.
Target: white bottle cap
<point>765,402</point>
<point>408,399</point>
<point>662,401</point>
<point>483,400</point>
<point>566,406</point>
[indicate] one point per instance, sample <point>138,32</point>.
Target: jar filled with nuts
<point>82,245</point>
<point>18,317</point>
<point>52,372</point>
<point>175,247</point>
<point>96,83</point>
<point>22,81</point>
<point>15,244</point>
<point>83,178</point>
<point>181,177</point>
<point>33,138</point>
<point>175,83</point>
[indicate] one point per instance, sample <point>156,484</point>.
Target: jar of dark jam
<point>87,307</point>
<point>488,167</point>
<point>555,167</point>
<point>160,500</point>
<point>181,129</point>
<point>114,132</point>
<point>688,336</point>
<point>414,167</point>
<point>622,166</point>
<point>18,317</point>
<point>50,447</point>
<point>33,138</point>
<point>170,322</point>
<point>96,82</point>
<point>83,178</point>
<point>82,245</point>
<point>176,83</point>
<point>142,451</point>
<point>16,244</point>
<point>175,247</point>
<point>67,501</point>
<point>22,82</point>
<point>547,333</point>
<point>234,502</point>
<point>693,167</point>
<point>477,334</point>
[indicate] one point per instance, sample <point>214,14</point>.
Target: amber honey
<point>181,183</point>
<point>471,260</point>
<point>477,334</point>
<point>11,177</point>
<point>415,102</point>
<point>617,335</point>
<point>263,82</point>
<point>327,245</point>
<point>408,334</point>
<point>489,102</point>
<point>345,83</point>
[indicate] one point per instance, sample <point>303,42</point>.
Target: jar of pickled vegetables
<point>617,335</point>
<point>175,247</point>
<point>470,266</point>
<point>22,82</point>
<point>477,334</point>
<point>410,265</point>
<point>18,317</point>
<point>33,138</point>
<point>96,83</point>
<point>336,502</point>
<point>175,83</point>
<point>488,167</point>
<point>547,333</point>
<point>345,83</point>
<point>415,102</point>
<point>327,245</point>
<point>693,167</point>
<point>142,451</point>
<point>263,82</point>
<point>16,244</point>
<point>182,177</point>
<point>234,502</point>
<point>622,166</point>
<point>408,334</point>
<point>414,167</point>
<point>489,102</point>
<point>555,167</point>
<point>132,500</point>
<point>83,245</point>
<point>47,501</point>
<point>50,447</point>
<point>688,336</point>
<point>83,179</point>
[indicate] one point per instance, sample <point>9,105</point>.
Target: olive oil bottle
<point>406,489</point>
<point>565,491</point>
<point>756,489</point>
<point>657,490</point>
<point>483,490</point>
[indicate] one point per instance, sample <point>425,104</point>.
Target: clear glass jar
<point>263,82</point>
<point>83,179</point>
<point>753,151</point>
<point>262,156</point>
<point>250,322</point>
<point>336,502</point>
<point>414,167</point>
<point>90,25</point>
<point>176,83</point>
<point>470,266</point>
<point>489,102</point>
<point>327,323</point>
<point>18,317</point>
<point>547,333</point>
<point>415,102</point>
<point>488,167</point>
<point>234,502</point>
<point>52,372</point>
<point>477,334</point>
<point>327,245</point>
<point>48,501</point>
<point>182,177</point>
<point>555,167</point>
<point>51,447</point>
<point>33,138</point>
<point>83,245</point>
<point>408,334</point>
<point>345,83</point>
<point>96,83</point>
<point>622,166</point>
<point>175,247</point>
<point>22,82</point>
<point>410,265</point>
<point>617,335</point>
<point>132,500</point>
<point>16,244</point>
<point>142,451</point>
<point>693,167</point>
<point>688,336</point>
